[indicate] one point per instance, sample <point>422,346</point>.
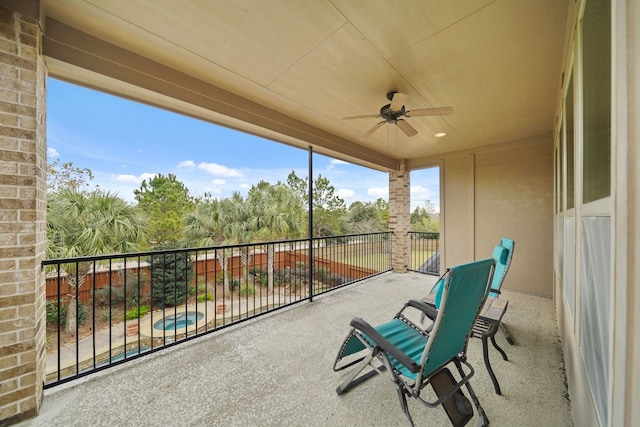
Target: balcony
<point>276,369</point>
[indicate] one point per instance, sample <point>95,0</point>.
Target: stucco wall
<point>506,191</point>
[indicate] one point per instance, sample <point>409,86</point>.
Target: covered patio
<point>277,370</point>
<point>541,145</point>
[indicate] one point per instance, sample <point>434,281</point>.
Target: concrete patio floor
<point>277,370</point>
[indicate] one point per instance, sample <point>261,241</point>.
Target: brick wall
<point>22,217</point>
<point>399,218</point>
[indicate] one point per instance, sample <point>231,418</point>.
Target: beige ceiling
<point>290,70</point>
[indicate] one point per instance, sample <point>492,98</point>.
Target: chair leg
<point>402,397</point>
<point>506,333</point>
<point>482,416</point>
<point>483,421</point>
<point>485,353</point>
<point>497,347</point>
<point>351,381</point>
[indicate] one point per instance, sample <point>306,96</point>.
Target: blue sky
<point>124,142</point>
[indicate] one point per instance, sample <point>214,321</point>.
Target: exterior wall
<point>625,387</point>
<point>504,191</point>
<point>514,198</point>
<point>582,406</point>
<point>399,218</point>
<point>22,217</point>
<point>623,207</point>
<point>458,198</point>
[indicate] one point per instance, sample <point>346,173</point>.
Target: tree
<point>165,201</point>
<point>89,223</point>
<point>276,211</point>
<point>328,207</point>
<point>425,219</point>
<point>171,274</point>
<point>218,222</point>
<point>278,215</point>
<point>366,217</point>
<point>65,175</point>
<point>383,207</point>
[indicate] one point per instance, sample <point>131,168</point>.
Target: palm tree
<point>81,223</point>
<point>219,222</point>
<point>278,215</point>
<point>241,230</point>
<point>205,226</point>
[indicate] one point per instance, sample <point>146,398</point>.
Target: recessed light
<point>440,134</point>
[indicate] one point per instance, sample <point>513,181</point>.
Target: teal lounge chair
<point>503,258</point>
<point>413,358</point>
<point>502,254</point>
<point>482,328</point>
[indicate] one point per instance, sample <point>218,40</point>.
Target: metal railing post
<point>310,207</point>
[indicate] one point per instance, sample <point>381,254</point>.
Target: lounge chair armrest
<point>384,344</point>
<point>429,310</point>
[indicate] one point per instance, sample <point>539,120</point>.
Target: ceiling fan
<point>392,113</point>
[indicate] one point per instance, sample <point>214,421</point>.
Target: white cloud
<point>420,195</point>
<point>378,192</point>
<point>52,152</point>
<point>126,178</point>
<point>132,179</point>
<point>219,170</point>
<point>420,192</point>
<point>218,182</point>
<point>335,162</point>
<point>345,193</point>
<point>186,164</point>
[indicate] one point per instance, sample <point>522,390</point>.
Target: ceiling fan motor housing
<point>389,115</point>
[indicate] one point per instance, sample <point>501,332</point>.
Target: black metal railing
<point>106,310</point>
<point>424,252</point>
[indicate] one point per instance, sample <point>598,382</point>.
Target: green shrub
<point>246,290</point>
<point>283,276</point>
<point>257,271</point>
<point>220,278</point>
<point>52,312</point>
<point>101,296</point>
<point>322,274</point>
<point>133,284</point>
<point>336,279</point>
<point>136,312</point>
<point>205,297</point>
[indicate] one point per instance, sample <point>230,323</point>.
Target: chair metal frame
<point>411,356</point>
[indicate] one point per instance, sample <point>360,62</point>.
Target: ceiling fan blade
<point>367,116</point>
<point>372,130</point>
<point>438,111</point>
<point>406,128</point>
<point>398,101</point>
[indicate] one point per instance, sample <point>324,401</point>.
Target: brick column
<point>399,218</point>
<point>22,217</point>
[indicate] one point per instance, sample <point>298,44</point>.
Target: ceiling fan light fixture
<point>440,134</point>
<point>395,112</point>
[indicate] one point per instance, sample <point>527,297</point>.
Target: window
<point>596,71</point>
<point>568,118</point>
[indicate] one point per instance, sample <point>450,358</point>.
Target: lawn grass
<point>378,259</point>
